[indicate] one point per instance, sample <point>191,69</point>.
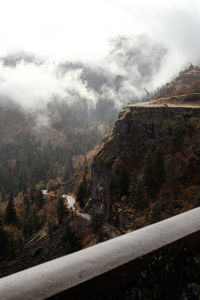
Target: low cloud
<point>124,73</point>
<point>128,65</point>
<point>33,85</point>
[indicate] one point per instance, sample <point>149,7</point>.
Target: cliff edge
<point>149,168</point>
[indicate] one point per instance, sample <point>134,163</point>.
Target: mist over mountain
<point>128,69</point>
<point>66,70</point>
<point>102,52</point>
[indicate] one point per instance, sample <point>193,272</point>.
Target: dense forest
<point>33,154</point>
<point>30,154</point>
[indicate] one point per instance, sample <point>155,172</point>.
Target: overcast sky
<point>82,30</point>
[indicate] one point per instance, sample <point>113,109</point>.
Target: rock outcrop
<point>120,164</point>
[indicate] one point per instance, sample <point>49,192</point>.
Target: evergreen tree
<point>39,199</point>
<point>20,242</point>
<point>159,169</point>
<point>27,205</point>
<point>134,192</point>
<point>82,192</point>
<point>3,240</point>
<point>123,182</point>
<point>36,221</point>
<point>154,172</point>
<point>31,194</point>
<point>171,175</point>
<point>97,222</point>
<point>28,224</point>
<point>70,241</point>
<point>138,196</point>
<point>149,174</point>
<point>12,247</point>
<point>10,213</point>
<point>155,213</point>
<point>60,209</point>
<point>3,195</point>
<point>66,173</point>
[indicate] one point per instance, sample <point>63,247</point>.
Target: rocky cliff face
<point>121,188</point>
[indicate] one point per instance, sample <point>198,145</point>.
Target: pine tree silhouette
<point>60,209</point>
<point>82,192</point>
<point>10,214</point>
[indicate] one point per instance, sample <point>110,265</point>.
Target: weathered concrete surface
<point>70,271</point>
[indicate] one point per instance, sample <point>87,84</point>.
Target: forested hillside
<point>44,149</point>
<point>31,153</point>
<point>143,170</point>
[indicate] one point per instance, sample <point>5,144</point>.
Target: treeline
<point>31,157</point>
<point>19,222</point>
<point>26,160</point>
<point>154,188</point>
<point>26,164</point>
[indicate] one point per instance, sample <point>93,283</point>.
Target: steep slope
<point>149,168</point>
<point>186,82</point>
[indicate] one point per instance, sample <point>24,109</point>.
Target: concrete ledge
<point>107,266</point>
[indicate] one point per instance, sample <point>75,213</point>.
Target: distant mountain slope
<point>39,146</point>
<point>188,81</point>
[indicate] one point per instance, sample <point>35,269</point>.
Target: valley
<point>79,182</point>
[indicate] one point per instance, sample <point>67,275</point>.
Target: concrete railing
<point>107,267</point>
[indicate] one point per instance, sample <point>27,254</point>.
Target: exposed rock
<point>175,129</point>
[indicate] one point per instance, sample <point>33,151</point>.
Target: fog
<point>97,50</point>
<point>121,76</point>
